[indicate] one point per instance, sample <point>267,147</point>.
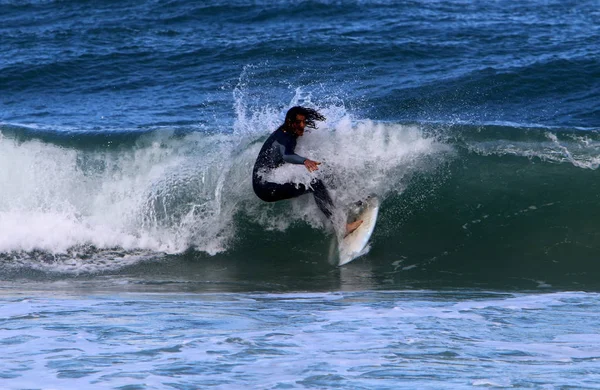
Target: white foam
<point>168,193</point>
<point>491,383</point>
<point>579,151</point>
<point>360,158</point>
<point>53,198</point>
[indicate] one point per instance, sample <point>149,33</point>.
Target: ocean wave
<point>475,200</point>
<point>167,192</point>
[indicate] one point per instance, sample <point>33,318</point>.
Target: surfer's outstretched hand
<point>311,165</point>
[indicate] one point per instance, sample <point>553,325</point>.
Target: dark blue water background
<point>100,100</point>
<point>126,65</point>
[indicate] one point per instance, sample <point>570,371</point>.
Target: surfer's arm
<point>293,158</point>
<point>290,157</point>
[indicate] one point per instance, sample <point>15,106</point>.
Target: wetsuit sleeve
<point>288,156</point>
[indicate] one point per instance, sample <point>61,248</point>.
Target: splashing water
<point>168,193</point>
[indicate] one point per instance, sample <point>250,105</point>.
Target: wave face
<point>482,202</point>
<point>128,132</point>
<point>168,192</point>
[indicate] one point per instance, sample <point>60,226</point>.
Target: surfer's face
<point>298,125</point>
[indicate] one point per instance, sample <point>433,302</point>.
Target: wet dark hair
<point>310,115</point>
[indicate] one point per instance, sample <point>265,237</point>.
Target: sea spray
<point>170,192</point>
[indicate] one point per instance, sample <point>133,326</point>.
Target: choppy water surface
<point>354,340</point>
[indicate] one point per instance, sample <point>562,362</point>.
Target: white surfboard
<point>355,244</point>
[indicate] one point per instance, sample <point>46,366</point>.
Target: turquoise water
<point>134,254</point>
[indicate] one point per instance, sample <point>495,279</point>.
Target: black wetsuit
<point>276,151</point>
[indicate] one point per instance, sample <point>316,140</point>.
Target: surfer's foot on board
<point>352,226</point>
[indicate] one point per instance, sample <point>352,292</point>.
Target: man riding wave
<point>278,150</point>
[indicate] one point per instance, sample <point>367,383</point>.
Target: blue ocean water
<point>381,340</point>
<point>134,254</point>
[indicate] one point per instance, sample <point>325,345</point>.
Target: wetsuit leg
<point>322,197</point>
<point>272,192</point>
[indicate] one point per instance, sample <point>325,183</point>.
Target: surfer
<point>278,149</point>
